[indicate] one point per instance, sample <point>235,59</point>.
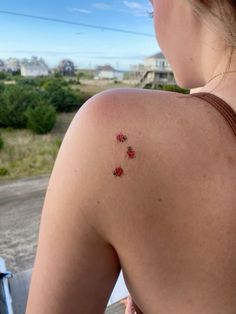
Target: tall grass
<point>27,154</point>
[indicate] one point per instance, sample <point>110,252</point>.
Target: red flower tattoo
<point>131,153</point>
<point>121,138</point>
<point>118,172</point>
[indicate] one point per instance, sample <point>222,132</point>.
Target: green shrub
<point>61,97</point>
<point>87,75</point>
<point>29,93</point>
<point>14,101</point>
<point>41,119</point>
<point>3,76</point>
<point>57,74</point>
<point>149,86</point>
<point>1,142</point>
<point>27,82</point>
<point>9,77</point>
<point>175,88</point>
<point>4,171</point>
<point>74,82</point>
<point>2,87</point>
<point>16,73</point>
<point>50,83</point>
<point>170,88</point>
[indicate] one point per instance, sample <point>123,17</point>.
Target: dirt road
<point>21,204</point>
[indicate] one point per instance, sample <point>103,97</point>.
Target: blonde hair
<point>222,14</point>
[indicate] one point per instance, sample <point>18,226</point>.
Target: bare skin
<point>169,221</point>
<point>175,205</point>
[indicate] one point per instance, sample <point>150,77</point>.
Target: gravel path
<point>21,204</point>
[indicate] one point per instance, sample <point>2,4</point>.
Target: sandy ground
<point>21,204</point>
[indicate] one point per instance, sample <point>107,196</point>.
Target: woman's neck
<point>223,87</point>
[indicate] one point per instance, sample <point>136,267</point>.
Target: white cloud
<point>79,10</point>
<point>137,9</point>
<point>101,6</point>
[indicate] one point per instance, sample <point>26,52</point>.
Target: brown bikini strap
<point>227,112</point>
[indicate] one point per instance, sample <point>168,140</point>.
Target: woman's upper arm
<point>75,268</point>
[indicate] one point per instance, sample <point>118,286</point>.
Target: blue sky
<point>23,37</point>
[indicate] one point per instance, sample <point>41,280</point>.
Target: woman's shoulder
<point>129,138</point>
<point>147,112</point>
<point>128,104</point>
<point>149,118</point>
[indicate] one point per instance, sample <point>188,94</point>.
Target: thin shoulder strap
<point>227,112</point>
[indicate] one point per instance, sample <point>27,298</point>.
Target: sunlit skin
<point>168,218</point>
<point>198,86</point>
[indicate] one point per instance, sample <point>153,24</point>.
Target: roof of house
<point>105,68</point>
<point>34,64</point>
<point>158,55</point>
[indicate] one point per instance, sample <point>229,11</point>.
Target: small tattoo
<point>118,172</point>
<point>131,153</point>
<point>121,138</point>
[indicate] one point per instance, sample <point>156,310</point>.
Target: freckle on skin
<point>231,160</point>
<point>189,301</point>
<point>160,199</point>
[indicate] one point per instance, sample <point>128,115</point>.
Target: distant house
<point>158,69</point>
<point>157,62</point>
<point>107,72</point>
<point>34,67</point>
<point>12,65</point>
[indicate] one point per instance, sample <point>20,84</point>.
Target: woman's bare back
<point>175,233</point>
<point>168,220</point>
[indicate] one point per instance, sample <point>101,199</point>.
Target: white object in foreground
<point>120,290</point>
